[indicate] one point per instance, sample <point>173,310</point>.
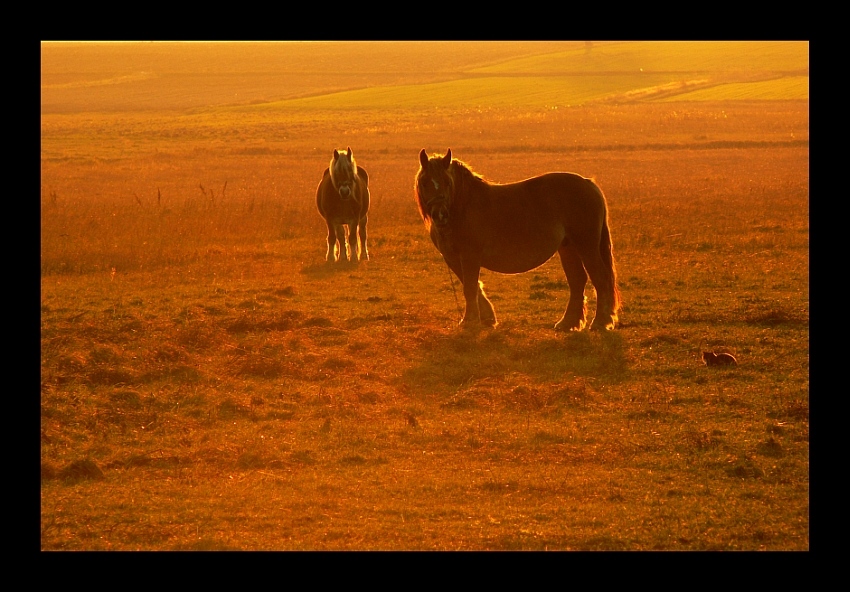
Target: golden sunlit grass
<point>660,56</point>
<point>209,383</point>
<point>791,87</point>
<point>166,76</point>
<point>493,92</point>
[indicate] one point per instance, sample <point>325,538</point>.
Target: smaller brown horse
<point>342,198</point>
<point>515,227</point>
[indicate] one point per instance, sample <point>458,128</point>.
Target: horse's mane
<point>467,186</point>
<point>425,217</point>
<point>343,157</point>
<point>467,182</point>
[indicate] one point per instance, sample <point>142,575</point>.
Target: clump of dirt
<point>81,470</point>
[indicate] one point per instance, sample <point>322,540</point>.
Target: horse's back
<point>560,186</point>
<point>551,197</point>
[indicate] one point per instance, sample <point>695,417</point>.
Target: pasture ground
<point>208,382</point>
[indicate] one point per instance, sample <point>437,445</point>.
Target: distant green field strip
<point>790,88</point>
<point>670,56</point>
<point>479,92</point>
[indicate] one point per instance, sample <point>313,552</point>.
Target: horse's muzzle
<point>440,215</point>
<point>345,192</point>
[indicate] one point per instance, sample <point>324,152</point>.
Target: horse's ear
<point>447,159</point>
<point>350,154</point>
<point>336,154</point>
<point>423,158</point>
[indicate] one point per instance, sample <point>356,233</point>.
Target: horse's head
<point>434,188</point>
<point>343,170</point>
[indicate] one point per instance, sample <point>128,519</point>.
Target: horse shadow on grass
<point>326,269</point>
<point>447,362</point>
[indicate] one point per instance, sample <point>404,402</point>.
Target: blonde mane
<point>342,160</point>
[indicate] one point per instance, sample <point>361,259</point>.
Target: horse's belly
<point>338,213</point>
<point>350,217</point>
<point>515,257</point>
<point>337,221</point>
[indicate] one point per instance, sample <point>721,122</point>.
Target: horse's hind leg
<point>575,316</point>
<point>364,250</point>
<point>485,308</point>
<point>354,243</point>
<point>603,283</point>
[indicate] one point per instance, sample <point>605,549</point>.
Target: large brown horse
<point>343,201</point>
<point>516,227</point>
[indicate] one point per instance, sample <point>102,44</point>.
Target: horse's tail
<point>606,250</point>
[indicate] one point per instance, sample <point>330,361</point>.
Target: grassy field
<point>208,382</point>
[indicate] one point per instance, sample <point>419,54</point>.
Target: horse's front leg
<point>470,271</point>
<point>481,311</point>
<point>331,255</point>
<point>342,243</point>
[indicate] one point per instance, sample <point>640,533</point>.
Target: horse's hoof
<point>563,327</point>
